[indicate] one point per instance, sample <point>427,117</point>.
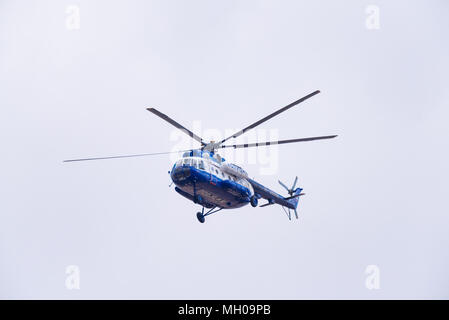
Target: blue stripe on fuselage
<point>212,190</point>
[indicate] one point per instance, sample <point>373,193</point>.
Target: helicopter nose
<point>180,174</point>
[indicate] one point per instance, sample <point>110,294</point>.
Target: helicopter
<point>201,175</point>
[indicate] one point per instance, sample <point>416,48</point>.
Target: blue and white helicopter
<point>205,178</point>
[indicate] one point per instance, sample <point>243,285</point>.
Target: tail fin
<point>294,199</point>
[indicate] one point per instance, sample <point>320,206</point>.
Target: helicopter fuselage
<point>207,182</point>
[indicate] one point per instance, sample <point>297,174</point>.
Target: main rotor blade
<point>126,156</point>
<point>176,124</point>
<point>269,143</point>
<point>255,124</point>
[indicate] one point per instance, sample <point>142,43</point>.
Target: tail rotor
<point>294,193</point>
<point>290,191</point>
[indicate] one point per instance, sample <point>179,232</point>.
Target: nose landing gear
<point>201,216</point>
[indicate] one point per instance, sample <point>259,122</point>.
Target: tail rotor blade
<point>294,183</point>
<point>286,188</point>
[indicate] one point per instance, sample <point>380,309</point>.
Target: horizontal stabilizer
<point>295,196</point>
<point>267,204</point>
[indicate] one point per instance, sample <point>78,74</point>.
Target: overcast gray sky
<point>376,195</point>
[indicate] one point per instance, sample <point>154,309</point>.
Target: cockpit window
<point>197,163</point>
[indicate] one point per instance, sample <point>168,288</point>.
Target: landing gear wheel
<point>200,217</point>
<point>253,201</point>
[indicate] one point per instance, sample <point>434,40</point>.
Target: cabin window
<point>243,182</point>
<point>201,165</point>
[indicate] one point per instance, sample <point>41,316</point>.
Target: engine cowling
<point>234,170</point>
